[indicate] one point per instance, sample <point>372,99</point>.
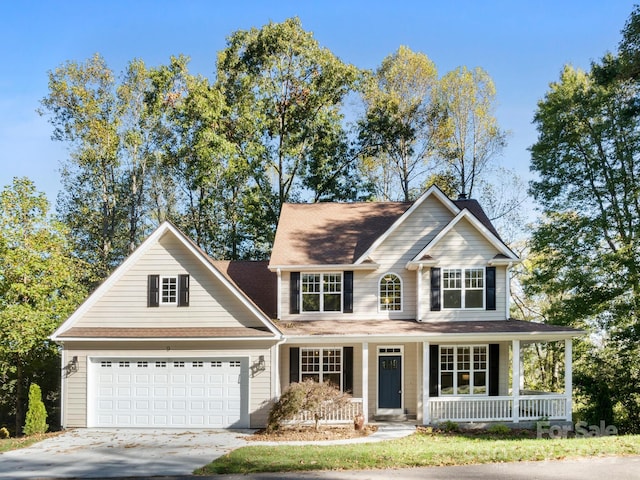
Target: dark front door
<point>390,382</point>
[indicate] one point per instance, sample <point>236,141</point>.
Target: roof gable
<point>502,250</point>
<point>434,192</point>
<point>205,265</point>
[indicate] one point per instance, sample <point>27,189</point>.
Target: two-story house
<point>404,305</point>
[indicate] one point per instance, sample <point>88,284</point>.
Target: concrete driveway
<point>95,453</point>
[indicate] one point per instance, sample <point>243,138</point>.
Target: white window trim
<point>321,293</point>
<point>380,309</point>
<point>321,372</point>
<point>455,372</point>
<point>464,269</point>
<point>161,302</point>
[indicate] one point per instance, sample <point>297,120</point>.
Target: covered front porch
<point>519,405</point>
<point>432,373</point>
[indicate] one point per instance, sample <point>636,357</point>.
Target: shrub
<point>499,429</point>
<point>36,420</point>
<point>4,433</point>
<point>449,426</point>
<point>319,399</point>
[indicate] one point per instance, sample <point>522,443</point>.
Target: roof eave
<point>323,267</point>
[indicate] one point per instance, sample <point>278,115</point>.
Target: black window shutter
<point>153,290</point>
<point>347,296</point>
<point>434,368</point>
<point>491,288</point>
<point>294,292</point>
<point>294,364</point>
<point>435,289</point>
<point>183,290</point>
<point>347,369</point>
<point>494,370</point>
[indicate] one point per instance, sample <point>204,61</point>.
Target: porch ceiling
<point>427,331</point>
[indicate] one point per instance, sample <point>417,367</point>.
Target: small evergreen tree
<point>36,421</point>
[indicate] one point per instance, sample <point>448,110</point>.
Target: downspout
<point>419,294</point>
<point>63,354</point>
<point>508,290</point>
<point>276,367</point>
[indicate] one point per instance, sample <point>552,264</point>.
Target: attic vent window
<point>169,294</point>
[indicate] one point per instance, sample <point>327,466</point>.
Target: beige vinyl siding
<point>76,384</point>
<point>211,303</point>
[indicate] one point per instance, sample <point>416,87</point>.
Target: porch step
<point>394,418</point>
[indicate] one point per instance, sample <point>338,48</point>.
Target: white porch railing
<point>487,409</point>
<point>344,415</point>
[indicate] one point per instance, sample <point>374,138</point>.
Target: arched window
<point>390,293</point>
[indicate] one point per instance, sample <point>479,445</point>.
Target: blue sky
<point>523,45</point>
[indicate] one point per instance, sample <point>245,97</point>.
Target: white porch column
<point>515,381</point>
<point>426,417</point>
<point>419,293</point>
<point>568,377</point>
<point>365,381</point>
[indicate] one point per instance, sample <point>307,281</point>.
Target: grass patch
<point>418,450</point>
<point>8,444</point>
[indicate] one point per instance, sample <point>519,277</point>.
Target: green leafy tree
<point>471,137</point>
<point>36,419</point>
<point>285,94</point>
<point>401,124</point>
<point>40,285</point>
<point>588,170</point>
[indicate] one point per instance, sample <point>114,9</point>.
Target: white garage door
<point>172,393</point>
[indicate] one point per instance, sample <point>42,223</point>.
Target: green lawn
<point>7,444</point>
<point>418,450</point>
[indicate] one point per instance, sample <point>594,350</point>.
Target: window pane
<point>451,278</point>
<point>310,302</point>
<point>464,358</point>
<point>480,382</point>
<point>473,299</point>
<point>314,377</point>
<point>463,383</point>
<point>479,358</point>
<point>332,302</point>
<point>332,378</point>
<point>474,278</point>
<point>331,360</point>
<point>446,383</point>
<point>452,299</point>
<point>310,360</point>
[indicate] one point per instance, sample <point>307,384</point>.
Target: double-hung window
<point>463,288</point>
<point>463,370</point>
<point>321,292</point>
<point>321,365</point>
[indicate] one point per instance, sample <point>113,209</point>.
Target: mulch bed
<point>309,434</point>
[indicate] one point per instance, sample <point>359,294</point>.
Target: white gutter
<point>167,339</point>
